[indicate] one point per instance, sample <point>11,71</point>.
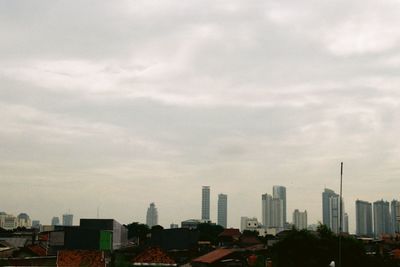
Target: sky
<point>111,105</point>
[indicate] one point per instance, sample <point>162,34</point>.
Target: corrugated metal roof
<point>16,242</point>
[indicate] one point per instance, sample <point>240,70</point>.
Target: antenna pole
<point>340,216</point>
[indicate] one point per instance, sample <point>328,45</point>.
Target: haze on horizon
<point>119,104</point>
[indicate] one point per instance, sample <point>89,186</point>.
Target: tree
<point>138,230</point>
<point>209,232</point>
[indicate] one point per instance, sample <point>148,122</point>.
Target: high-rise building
<point>394,213</point>
<point>266,210</point>
<point>277,213</point>
<point>331,212</point>
<point>23,220</point>
<point>67,219</point>
<point>280,192</point>
<point>152,215</point>
<point>55,221</point>
<point>223,210</point>
<point>36,224</point>
<point>300,219</point>
<point>381,218</point>
<point>364,218</point>
<point>345,223</point>
<point>205,203</point>
<point>326,210</point>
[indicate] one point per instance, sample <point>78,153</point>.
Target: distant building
<point>279,192</point>
<point>251,224</point>
<point>395,216</point>
<point>23,220</point>
<point>331,212</point>
<point>68,219</point>
<point>36,224</point>
<point>381,218</point>
<point>174,226</point>
<point>300,219</point>
<point>222,210</point>
<point>152,215</point>
<point>55,221</point>
<point>272,210</point>
<point>205,203</point>
<point>10,222</point>
<point>191,223</point>
<point>345,223</point>
<point>364,218</point>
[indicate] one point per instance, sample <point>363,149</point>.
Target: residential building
<point>55,221</point>
<point>67,219</point>
<point>300,219</point>
<point>152,215</point>
<point>251,224</point>
<point>10,222</point>
<point>222,210</point>
<point>364,218</point>
<point>205,203</point>
<point>266,210</point>
<point>326,210</point>
<point>394,213</point>
<point>345,223</point>
<point>280,193</point>
<point>331,212</point>
<point>381,218</point>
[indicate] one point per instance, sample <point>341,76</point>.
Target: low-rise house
<point>77,258</point>
<point>154,256</point>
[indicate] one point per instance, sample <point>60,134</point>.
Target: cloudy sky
<point>118,104</point>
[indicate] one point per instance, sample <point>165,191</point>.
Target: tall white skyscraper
<point>222,210</point>
<point>67,219</point>
<point>280,192</point>
<point>364,218</point>
<point>331,210</point>
<point>152,215</point>
<point>381,218</point>
<point>266,210</point>
<point>205,203</point>
<point>300,219</point>
<point>272,210</point>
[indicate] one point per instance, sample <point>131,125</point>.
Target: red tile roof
<point>75,258</point>
<point>230,232</point>
<point>37,250</point>
<point>153,255</point>
<point>214,255</point>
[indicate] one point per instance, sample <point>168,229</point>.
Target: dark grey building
<point>222,210</point>
<point>382,221</point>
<point>119,232</point>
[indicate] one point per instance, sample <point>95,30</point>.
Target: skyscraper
<point>222,210</point>
<point>326,210</point>
<point>300,219</point>
<point>205,203</point>
<point>394,214</point>
<point>68,219</point>
<point>55,221</point>
<point>266,210</point>
<point>363,218</point>
<point>152,215</point>
<point>381,218</point>
<point>345,223</point>
<point>280,192</point>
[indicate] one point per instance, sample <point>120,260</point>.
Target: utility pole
<point>340,216</point>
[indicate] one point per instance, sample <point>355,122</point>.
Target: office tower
<point>280,192</point>
<point>55,221</point>
<point>326,210</point>
<point>345,223</point>
<point>300,219</point>
<point>381,218</point>
<point>363,218</point>
<point>222,210</point>
<point>67,219</point>
<point>205,203</point>
<point>152,215</point>
<point>394,214</point>
<point>266,210</point>
<point>277,209</point>
<point>23,220</point>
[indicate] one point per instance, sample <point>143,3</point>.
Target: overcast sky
<point>116,104</point>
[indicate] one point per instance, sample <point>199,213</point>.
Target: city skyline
<point>148,101</point>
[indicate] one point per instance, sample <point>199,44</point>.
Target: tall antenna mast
<point>340,216</point>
